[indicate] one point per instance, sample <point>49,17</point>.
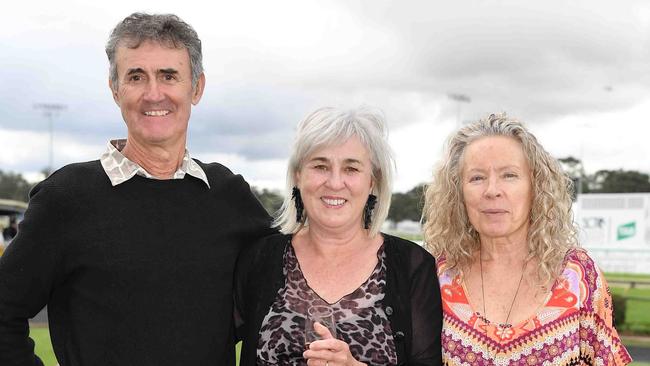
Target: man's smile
<point>156,113</point>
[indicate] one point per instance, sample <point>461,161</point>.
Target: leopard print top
<point>360,319</point>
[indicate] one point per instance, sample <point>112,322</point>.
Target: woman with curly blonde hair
<point>515,286</point>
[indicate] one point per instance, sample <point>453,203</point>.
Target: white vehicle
<point>9,209</point>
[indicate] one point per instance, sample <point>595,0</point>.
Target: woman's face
<point>497,188</point>
<point>334,183</point>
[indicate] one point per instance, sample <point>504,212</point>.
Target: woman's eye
<point>475,178</point>
<point>510,175</point>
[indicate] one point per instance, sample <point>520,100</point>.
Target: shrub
<point>619,303</point>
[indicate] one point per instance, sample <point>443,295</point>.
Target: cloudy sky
<point>577,72</point>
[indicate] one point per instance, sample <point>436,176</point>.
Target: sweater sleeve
<point>240,288</point>
<point>426,312</point>
<point>255,226</point>
<point>256,222</point>
<point>28,270</point>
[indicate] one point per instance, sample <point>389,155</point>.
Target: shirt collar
<point>119,169</point>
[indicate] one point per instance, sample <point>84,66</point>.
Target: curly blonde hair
<point>447,229</point>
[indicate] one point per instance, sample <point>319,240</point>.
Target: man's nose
<point>153,92</point>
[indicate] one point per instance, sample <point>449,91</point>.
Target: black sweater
<point>412,300</point>
<point>136,274</point>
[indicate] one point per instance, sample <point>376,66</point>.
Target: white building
<point>615,230</point>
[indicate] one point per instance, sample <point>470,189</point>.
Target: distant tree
<point>574,168</point>
<point>605,181</point>
<point>271,200</point>
<point>407,206</point>
<point>46,172</point>
<point>620,181</point>
<point>13,186</point>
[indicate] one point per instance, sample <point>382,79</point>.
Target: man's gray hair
<point>331,127</point>
<point>166,29</point>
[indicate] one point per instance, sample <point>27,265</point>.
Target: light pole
<point>459,98</point>
<point>50,110</point>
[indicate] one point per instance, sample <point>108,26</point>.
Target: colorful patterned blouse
<point>573,327</point>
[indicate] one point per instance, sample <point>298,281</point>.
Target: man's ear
<point>113,88</point>
<point>197,93</point>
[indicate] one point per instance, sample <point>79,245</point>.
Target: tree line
<point>14,187</point>
<point>408,205</point>
<point>604,181</point>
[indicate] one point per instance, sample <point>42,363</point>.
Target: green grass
<point>637,314</point>
<point>636,341</point>
<point>627,276</point>
<point>43,349</point>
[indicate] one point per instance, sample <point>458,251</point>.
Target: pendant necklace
<point>483,317</point>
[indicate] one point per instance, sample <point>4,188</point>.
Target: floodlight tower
<point>459,98</point>
<point>50,110</point>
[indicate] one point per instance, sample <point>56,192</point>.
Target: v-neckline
<point>518,325</point>
<point>377,267</point>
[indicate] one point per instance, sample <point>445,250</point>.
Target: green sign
<point>626,230</point>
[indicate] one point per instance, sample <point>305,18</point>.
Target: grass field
<point>637,314</point>
<point>43,349</point>
<point>627,276</point>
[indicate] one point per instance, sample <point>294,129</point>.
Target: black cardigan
<point>412,300</point>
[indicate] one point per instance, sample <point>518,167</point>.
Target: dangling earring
<point>367,210</point>
<point>297,200</point>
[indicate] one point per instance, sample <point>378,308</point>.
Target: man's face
<point>155,93</point>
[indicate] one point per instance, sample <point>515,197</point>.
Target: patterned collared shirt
<point>120,169</point>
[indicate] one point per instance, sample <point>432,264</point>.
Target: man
<point>10,231</point>
<point>133,253</point>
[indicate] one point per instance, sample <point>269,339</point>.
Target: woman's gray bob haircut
<point>331,127</point>
<point>165,29</point>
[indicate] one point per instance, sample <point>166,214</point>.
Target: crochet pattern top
<point>573,327</point>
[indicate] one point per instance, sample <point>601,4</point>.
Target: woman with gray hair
<point>377,295</point>
<point>515,287</point>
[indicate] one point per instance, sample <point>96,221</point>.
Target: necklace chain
<point>512,304</point>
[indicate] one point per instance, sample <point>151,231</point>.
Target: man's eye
<point>169,77</point>
<point>135,78</point>
<point>351,169</point>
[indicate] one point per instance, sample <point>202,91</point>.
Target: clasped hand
<point>329,351</point>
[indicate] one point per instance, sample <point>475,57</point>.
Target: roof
<point>11,207</point>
